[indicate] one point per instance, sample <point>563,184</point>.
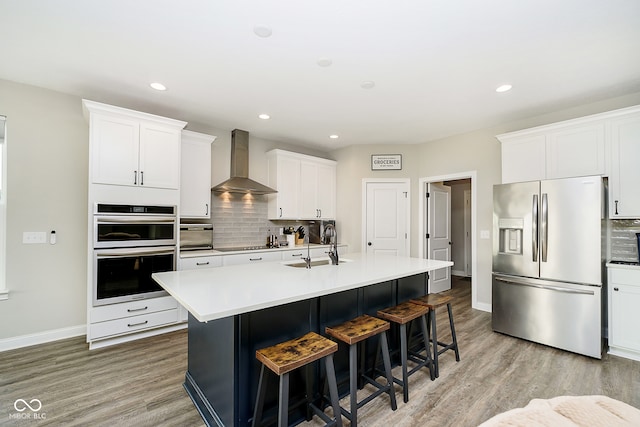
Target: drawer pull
<point>131,310</point>
<point>255,259</point>
<point>131,325</point>
<point>296,255</point>
<point>202,263</point>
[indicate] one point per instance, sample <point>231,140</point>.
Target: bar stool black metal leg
<point>333,389</point>
<point>434,340</point>
<point>353,383</point>
<point>387,368</point>
<point>262,388</point>
<point>453,333</point>
<point>403,356</point>
<point>425,338</point>
<point>283,406</point>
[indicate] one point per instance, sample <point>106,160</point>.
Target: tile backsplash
<point>624,246</point>
<point>241,220</point>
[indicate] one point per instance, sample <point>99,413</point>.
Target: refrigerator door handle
<point>534,228</point>
<point>544,227</point>
<point>550,287</point>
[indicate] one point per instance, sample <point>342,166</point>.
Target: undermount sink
<point>314,263</point>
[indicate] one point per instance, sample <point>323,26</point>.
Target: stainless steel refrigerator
<point>547,262</point>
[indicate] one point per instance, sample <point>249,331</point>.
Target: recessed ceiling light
<point>158,86</point>
<point>503,88</point>
<point>262,31</point>
<point>367,84</point>
<point>264,116</point>
<point>333,136</point>
<point>324,62</point>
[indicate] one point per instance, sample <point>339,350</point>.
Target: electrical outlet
<point>31,237</point>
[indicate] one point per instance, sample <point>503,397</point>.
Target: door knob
<point>368,243</point>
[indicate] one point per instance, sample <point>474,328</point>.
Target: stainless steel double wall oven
<point>130,242</point>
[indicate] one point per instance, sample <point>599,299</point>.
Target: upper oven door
<point>124,231</point>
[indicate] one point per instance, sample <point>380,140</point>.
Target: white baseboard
<point>458,273</point>
<point>482,307</point>
<point>42,337</point>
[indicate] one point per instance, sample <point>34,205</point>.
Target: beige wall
<point>47,155</point>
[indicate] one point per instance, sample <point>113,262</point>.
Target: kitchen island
<point>237,309</point>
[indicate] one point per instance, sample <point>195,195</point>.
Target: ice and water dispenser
<point>510,235</point>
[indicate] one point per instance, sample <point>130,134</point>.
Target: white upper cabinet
<point>523,158</point>
<point>603,144</point>
<point>624,195</point>
<point>562,150</point>
<point>306,186</point>
<point>131,148</point>
<point>576,151</point>
<point>195,175</point>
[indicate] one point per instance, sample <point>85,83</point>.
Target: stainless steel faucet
<point>307,260</point>
<point>332,234</point>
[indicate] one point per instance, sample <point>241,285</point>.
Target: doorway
<point>469,263</point>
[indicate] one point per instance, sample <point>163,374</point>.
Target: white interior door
<point>439,234</point>
<point>386,228</point>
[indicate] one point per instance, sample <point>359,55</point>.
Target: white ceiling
<point>435,63</point>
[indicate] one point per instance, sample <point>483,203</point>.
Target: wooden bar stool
<point>401,315</point>
<point>283,358</point>
<point>352,332</point>
<point>433,301</point>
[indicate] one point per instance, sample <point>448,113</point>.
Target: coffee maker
<point>316,231</point>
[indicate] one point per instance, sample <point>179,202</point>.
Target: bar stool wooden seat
<point>401,315</point>
<point>433,301</point>
<point>353,332</point>
<point>283,358</point>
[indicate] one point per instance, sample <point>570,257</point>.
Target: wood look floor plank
<point>140,383</point>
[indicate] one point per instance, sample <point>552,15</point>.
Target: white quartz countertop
<point>218,292</point>
<point>215,252</point>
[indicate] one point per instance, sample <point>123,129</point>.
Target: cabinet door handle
<point>135,178</point>
<point>206,209</point>
<point>202,263</point>
<point>131,310</point>
<point>616,289</point>
<point>141,177</point>
<point>616,208</point>
<point>280,212</point>
<point>255,259</point>
<point>131,325</point>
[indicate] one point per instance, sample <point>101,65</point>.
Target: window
<point>3,207</point>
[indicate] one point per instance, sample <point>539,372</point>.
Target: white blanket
<point>569,411</point>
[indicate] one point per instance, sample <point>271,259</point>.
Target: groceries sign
<point>386,162</point>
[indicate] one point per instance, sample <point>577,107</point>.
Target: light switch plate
<point>484,234</point>
<point>30,237</point>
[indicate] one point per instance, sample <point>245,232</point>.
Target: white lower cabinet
<point>251,258</point>
<point>119,319</point>
<point>198,262</point>
<point>624,316</point>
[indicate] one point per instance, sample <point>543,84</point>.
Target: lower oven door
<point>125,274</point>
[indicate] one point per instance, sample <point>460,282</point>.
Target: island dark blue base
<point>222,375</point>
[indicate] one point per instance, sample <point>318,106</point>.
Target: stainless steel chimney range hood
<point>239,182</point>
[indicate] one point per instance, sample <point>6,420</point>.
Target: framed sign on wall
<point>386,162</point>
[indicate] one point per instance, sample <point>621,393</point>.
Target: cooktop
<point>243,248</point>
<point>624,262</point>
